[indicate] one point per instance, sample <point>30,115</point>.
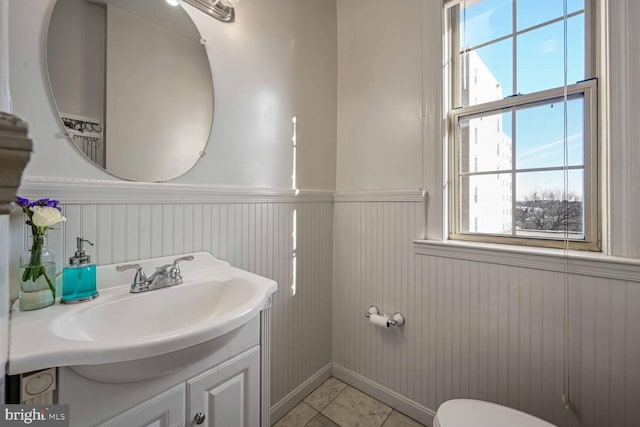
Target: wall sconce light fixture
<point>222,10</point>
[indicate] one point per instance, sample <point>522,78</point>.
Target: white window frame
<point>588,88</point>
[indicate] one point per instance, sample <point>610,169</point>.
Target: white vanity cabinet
<point>227,395</point>
<point>164,410</point>
<point>224,389</point>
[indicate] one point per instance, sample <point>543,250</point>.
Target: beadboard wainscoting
<point>374,264</point>
<point>482,324</point>
<point>251,229</point>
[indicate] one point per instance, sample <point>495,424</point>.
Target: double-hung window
<point>522,122</point>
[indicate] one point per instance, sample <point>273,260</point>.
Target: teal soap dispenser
<point>79,277</point>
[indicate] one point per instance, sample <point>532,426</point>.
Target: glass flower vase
<point>37,276</point>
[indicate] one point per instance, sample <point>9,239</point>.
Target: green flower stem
<point>53,288</point>
<point>35,269</point>
<point>32,271</point>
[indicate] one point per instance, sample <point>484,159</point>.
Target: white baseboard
<point>289,402</point>
<point>383,394</point>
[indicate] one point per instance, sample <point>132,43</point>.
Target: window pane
<point>487,73</point>
<point>541,56</point>
<point>540,207</point>
<point>544,146</point>
<point>483,21</point>
<point>575,49</point>
<point>485,143</point>
<point>485,204</point>
<point>534,12</point>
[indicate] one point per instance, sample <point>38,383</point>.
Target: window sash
<point>521,100</point>
<point>453,47</point>
<point>588,89</point>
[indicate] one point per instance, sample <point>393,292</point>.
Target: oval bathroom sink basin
<point>127,337</point>
<point>161,314</point>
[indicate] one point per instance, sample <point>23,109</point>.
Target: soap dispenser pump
<point>79,277</point>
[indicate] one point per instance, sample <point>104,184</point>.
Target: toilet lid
<point>476,413</point>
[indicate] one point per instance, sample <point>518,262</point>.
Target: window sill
<point>573,262</point>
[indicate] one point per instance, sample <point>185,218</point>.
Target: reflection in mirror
<point>132,84</point>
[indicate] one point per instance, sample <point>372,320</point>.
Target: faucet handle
<point>184,258</point>
<point>176,269</point>
<point>139,277</point>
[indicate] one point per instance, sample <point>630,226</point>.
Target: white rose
<point>44,216</point>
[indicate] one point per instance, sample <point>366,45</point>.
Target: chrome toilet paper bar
<point>374,316</point>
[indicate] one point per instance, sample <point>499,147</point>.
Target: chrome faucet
<point>164,276</point>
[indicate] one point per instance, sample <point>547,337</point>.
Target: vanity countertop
<point>214,299</point>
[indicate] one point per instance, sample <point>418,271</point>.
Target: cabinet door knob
<point>199,418</point>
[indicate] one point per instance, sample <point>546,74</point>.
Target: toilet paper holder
<point>397,319</point>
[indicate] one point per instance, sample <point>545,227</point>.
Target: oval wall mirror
<point>132,84</point>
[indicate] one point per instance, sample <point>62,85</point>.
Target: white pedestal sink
<point>124,337</point>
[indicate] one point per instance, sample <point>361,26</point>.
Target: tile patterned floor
<point>335,404</point>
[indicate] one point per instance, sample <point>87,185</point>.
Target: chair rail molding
<point>95,191</point>
<point>15,152</point>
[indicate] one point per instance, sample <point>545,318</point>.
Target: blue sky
<point>540,62</point>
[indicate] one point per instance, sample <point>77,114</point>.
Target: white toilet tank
<point>476,413</point>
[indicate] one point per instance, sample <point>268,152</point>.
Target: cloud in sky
<point>549,46</point>
<point>545,147</point>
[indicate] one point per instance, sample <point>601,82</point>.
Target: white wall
<point>379,95</point>
<point>273,63</point>
<point>390,100</point>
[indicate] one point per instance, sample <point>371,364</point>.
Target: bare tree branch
<point>550,210</point>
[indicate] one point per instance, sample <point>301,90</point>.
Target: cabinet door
<point>164,410</point>
<point>227,395</point>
